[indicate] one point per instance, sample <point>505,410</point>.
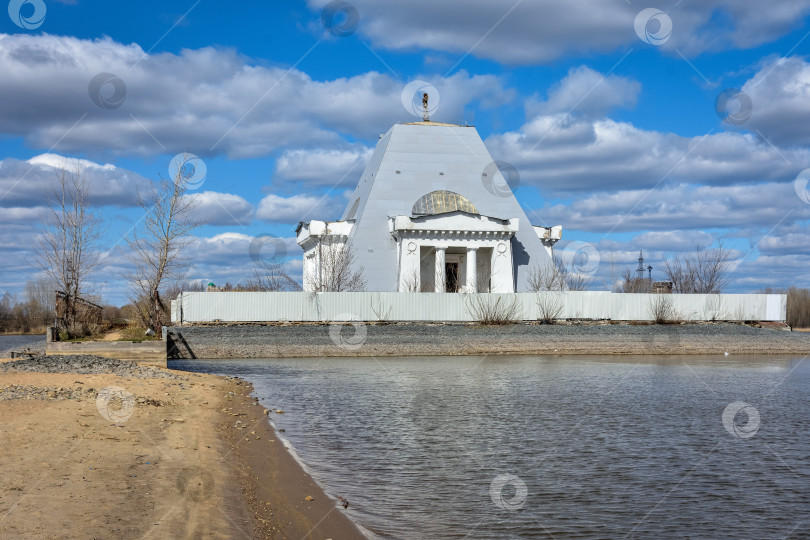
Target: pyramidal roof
<point>412,160</point>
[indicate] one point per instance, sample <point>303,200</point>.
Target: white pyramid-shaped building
<point>431,213</point>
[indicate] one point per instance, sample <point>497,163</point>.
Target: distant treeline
<point>798,306</point>
<point>32,311</point>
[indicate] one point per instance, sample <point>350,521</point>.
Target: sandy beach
<point>151,455</point>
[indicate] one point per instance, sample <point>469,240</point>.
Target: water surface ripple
<point>573,447</point>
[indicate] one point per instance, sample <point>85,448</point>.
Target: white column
<point>472,274</point>
<point>440,277</point>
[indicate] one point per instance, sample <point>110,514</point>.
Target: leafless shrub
<point>487,309</point>
<point>661,309</point>
<point>704,271</point>
<point>381,309</point>
<point>714,309</point>
<point>337,272</point>
<point>550,306</point>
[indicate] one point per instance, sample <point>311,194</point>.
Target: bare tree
<point>547,277</point>
<point>634,284</point>
<point>410,282</point>
<point>703,271</point>
<point>69,246</point>
<point>39,295</point>
<point>156,248</point>
<point>337,271</point>
<point>577,281</point>
<point>271,278</point>
<point>558,277</point>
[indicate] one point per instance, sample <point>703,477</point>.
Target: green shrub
<point>135,333</point>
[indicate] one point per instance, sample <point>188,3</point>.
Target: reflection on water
<point>498,447</point>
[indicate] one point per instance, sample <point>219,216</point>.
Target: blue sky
<point>608,116</point>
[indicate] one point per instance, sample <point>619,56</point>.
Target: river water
<point>9,341</point>
<point>516,446</point>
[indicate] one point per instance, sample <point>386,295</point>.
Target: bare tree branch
<point>633,284</point>
<point>157,246</point>
<point>273,278</point>
<point>557,277</point>
<point>704,271</point>
<point>337,272</point>
<point>69,246</point>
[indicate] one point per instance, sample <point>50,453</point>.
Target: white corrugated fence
<point>192,307</point>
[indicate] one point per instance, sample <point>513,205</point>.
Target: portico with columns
<point>454,252</point>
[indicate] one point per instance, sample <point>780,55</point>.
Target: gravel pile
<point>87,364</point>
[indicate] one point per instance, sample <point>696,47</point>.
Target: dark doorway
<point>451,277</point>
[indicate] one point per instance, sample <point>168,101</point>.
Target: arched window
<point>440,202</point>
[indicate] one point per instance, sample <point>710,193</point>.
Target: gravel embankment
<point>78,390</point>
<point>412,339</point>
<point>87,365</point>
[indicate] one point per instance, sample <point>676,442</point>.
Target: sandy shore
<point>185,457</point>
